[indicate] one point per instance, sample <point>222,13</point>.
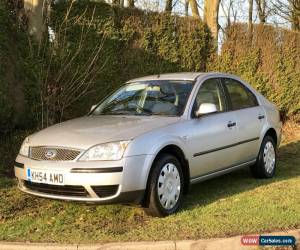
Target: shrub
<point>136,43</point>
<point>18,92</point>
<point>269,59</point>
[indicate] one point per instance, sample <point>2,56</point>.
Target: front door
<point>212,135</point>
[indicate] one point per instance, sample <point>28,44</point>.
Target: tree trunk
<point>36,12</point>
<point>295,15</point>
<point>169,5</point>
<point>261,9</point>
<point>131,3</point>
<point>289,10</point>
<point>186,7</point>
<point>211,14</point>
<point>296,24</point>
<point>250,17</point>
<point>194,8</point>
<point>115,2</point>
<point>122,3</point>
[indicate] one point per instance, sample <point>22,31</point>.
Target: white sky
<point>239,6</point>
<point>239,9</point>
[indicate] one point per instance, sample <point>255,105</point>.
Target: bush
<point>18,92</point>
<point>10,146</point>
<point>136,43</point>
<point>269,59</point>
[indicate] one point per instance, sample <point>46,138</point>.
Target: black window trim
<point>220,84</point>
<point>228,95</point>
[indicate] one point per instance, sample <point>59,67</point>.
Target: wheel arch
<point>272,132</point>
<point>176,151</point>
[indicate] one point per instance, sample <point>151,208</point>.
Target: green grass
<point>230,205</point>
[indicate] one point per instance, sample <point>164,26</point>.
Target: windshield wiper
<point>117,112</point>
<point>125,112</point>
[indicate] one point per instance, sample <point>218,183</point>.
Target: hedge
<point>136,43</point>
<point>18,86</point>
<point>269,59</point>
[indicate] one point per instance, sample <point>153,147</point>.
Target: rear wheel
<point>165,188</point>
<point>266,161</point>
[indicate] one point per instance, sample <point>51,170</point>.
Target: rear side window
<point>240,96</point>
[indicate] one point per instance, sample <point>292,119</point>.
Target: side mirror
<point>93,106</point>
<point>206,108</point>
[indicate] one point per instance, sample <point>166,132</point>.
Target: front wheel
<point>165,187</point>
<point>266,161</point>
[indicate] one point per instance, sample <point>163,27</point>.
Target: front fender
<point>152,143</point>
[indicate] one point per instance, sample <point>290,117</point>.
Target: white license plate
<point>45,176</point>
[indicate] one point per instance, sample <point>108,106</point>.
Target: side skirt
<point>221,172</point>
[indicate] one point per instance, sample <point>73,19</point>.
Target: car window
<point>239,95</point>
<point>210,92</point>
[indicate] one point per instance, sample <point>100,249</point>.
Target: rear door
<point>250,117</point>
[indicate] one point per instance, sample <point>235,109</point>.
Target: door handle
<point>231,124</point>
<point>261,117</point>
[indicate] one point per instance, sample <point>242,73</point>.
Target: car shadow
<point>228,185</point>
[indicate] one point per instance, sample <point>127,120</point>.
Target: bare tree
<point>115,2</point>
<point>211,16</point>
<point>186,7</point>
<point>194,8</point>
<point>229,11</point>
<point>169,6</point>
<point>36,12</point>
<point>65,76</point>
<point>261,10</point>
<point>131,3</point>
<point>289,10</point>
<point>250,15</point>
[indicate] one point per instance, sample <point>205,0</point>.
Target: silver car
<point>151,139</point>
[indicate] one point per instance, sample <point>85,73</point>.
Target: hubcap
<point>269,157</point>
<point>168,186</point>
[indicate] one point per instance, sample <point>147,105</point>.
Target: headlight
<point>24,150</point>
<point>112,151</point>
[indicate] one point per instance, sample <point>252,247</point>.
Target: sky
<point>239,9</point>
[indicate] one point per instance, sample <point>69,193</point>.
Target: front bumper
<point>104,182</point>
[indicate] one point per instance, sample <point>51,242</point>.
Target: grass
<point>230,205</point>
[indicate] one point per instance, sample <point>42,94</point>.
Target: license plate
<point>45,176</point>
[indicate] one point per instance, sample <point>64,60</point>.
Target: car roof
<point>189,76</point>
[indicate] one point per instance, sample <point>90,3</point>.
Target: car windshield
<point>160,97</point>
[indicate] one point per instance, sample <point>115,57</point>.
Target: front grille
<point>105,191</point>
<point>58,154</point>
<point>68,190</point>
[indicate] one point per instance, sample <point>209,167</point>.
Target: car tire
<point>165,187</point>
<point>266,161</point>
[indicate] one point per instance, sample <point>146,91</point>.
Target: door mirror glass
<point>206,108</point>
<point>93,106</point>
